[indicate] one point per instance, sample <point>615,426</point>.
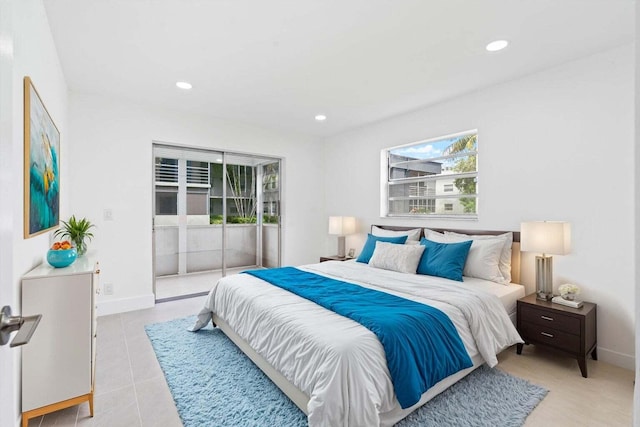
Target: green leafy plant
<point>77,231</point>
<point>468,164</point>
<point>217,219</point>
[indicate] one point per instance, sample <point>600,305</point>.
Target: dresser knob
<point>547,318</point>
<point>546,334</point>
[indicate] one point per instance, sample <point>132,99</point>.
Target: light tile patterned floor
<point>131,390</point>
<point>130,386</point>
<point>192,283</point>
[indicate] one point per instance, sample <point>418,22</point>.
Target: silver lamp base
<point>341,246</point>
<point>544,277</point>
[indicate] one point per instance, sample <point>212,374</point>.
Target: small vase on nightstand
<point>568,291</point>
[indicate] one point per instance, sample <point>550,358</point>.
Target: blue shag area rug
<point>214,384</point>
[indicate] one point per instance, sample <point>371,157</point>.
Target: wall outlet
<point>108,288</point>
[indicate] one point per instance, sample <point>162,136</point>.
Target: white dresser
<point>58,364</point>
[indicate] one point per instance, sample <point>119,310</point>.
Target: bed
<point>333,368</point>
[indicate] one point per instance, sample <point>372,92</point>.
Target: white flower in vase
<point>568,291</point>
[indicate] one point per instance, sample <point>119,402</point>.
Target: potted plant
<point>77,231</point>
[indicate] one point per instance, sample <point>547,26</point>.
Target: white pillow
<point>432,235</point>
<point>505,255</point>
<point>391,256</point>
<point>412,235</point>
<point>483,260</point>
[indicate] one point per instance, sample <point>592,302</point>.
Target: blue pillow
<point>444,259</point>
<point>370,245</point>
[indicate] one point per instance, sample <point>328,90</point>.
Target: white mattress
<point>508,294</point>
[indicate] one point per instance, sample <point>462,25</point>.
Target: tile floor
<point>192,283</point>
<point>130,387</point>
<point>131,390</point>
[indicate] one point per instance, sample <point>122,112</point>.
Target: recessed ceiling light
<point>184,85</point>
<point>321,117</point>
<point>497,45</point>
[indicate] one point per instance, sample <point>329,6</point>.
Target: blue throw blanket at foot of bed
<point>420,342</point>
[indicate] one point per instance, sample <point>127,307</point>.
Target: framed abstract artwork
<point>41,165</point>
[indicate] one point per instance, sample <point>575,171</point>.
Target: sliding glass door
<point>215,213</point>
<point>270,203</point>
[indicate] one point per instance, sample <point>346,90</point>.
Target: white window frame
<point>386,181</point>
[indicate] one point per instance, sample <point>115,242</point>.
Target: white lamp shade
<point>342,225</point>
<point>546,237</point>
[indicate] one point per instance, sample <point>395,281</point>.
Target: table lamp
<point>547,238</point>
<point>341,226</point>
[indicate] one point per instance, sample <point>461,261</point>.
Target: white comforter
<point>335,361</point>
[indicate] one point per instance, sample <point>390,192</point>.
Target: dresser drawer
<point>549,319</point>
<point>549,336</point>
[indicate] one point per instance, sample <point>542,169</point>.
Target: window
<point>435,177</point>
<point>197,174</point>
<point>166,170</point>
<point>166,186</point>
<point>197,201</point>
<point>215,185</point>
<point>270,193</point>
<point>166,200</point>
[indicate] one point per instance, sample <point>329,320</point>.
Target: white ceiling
<point>278,63</point>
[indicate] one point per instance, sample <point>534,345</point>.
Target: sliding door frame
<point>259,198</point>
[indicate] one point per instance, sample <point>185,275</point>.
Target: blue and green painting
<point>44,174</point>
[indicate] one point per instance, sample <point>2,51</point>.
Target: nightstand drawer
<point>550,336</point>
<point>550,319</point>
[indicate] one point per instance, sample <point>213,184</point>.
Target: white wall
<point>26,48</point>
<point>556,145</point>
<point>111,163</point>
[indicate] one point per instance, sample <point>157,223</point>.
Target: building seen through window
<point>204,190</point>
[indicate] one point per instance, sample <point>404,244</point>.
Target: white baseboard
<point>114,306</point>
<point>622,360</point>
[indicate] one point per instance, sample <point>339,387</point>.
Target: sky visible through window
<point>426,150</point>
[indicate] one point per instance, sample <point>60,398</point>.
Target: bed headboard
<point>515,247</point>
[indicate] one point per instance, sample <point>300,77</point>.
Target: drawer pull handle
<point>547,318</point>
<point>546,334</point>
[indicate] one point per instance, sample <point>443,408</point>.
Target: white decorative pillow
<point>505,255</point>
<point>433,235</point>
<point>412,235</point>
<point>402,258</point>
<point>483,260</point>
